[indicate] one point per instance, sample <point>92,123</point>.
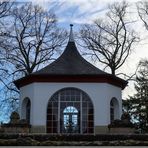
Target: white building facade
<point>70,96</point>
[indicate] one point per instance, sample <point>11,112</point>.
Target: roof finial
<point>71,39</point>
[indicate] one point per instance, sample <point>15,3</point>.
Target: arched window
<point>70,110</point>
<point>111,111</point>
<point>114,109</point>
<point>26,108</point>
<point>28,111</point>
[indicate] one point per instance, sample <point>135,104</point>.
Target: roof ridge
<point>71,37</point>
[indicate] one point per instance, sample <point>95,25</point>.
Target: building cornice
<point>110,79</point>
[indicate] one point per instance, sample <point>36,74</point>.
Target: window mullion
<point>59,106</point>
<point>81,113</point>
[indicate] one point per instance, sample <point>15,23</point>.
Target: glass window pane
<point>55,104</point>
<point>84,104</point>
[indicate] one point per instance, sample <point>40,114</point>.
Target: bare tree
<point>142,8</point>
<point>5,7</point>
<point>110,39</point>
<point>32,39</point>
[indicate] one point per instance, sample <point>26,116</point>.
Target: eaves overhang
<point>107,78</point>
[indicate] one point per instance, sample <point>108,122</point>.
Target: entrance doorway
<point>71,120</point>
<point>70,110</point>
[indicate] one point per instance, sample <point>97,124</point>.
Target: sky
<point>79,12</point>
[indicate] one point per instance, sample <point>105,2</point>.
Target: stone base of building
<point>101,129</point>
<point>15,130</point>
<point>122,130</point>
<point>42,129</point>
<point>38,129</point>
<point>97,129</point>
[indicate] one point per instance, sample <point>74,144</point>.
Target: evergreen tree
<point>137,105</point>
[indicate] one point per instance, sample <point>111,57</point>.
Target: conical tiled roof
<point>70,63</point>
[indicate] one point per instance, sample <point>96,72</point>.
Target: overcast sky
<point>85,11</point>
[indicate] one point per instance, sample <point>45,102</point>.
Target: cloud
<point>77,11</point>
<point>80,10</point>
<point>73,10</point>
